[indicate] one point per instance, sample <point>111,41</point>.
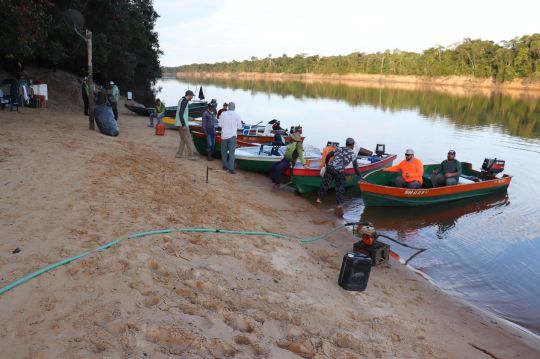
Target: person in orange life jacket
<point>294,152</point>
<point>336,161</point>
<point>412,170</point>
<point>330,146</point>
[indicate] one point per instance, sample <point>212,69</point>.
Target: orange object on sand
<point>160,129</point>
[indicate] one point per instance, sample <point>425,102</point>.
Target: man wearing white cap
<point>412,170</point>
<point>113,93</point>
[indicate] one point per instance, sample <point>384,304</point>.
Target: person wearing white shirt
<point>230,123</point>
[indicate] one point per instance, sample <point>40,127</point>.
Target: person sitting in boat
<point>221,110</point>
<point>448,172</point>
<point>159,112</point>
<point>293,153</point>
<point>412,170</point>
<point>336,161</point>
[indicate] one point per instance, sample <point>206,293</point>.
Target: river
<point>485,251</point>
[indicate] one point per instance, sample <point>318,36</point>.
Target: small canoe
<point>377,188</point>
<point>261,158</point>
<point>308,180</point>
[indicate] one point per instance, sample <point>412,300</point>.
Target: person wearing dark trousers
<point>336,162</point>
<point>209,122</point>
<point>294,152</point>
<point>85,93</point>
<point>113,94</point>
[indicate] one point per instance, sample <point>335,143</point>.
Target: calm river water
<point>485,251</point>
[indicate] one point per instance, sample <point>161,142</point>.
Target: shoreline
<point>454,85</point>
<point>195,294</point>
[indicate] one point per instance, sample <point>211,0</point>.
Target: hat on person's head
<point>212,104</point>
<point>86,78</point>
<point>189,93</point>
<point>451,152</point>
<point>297,134</point>
<point>409,151</point>
<point>111,82</point>
<point>349,141</point>
<point>232,106</point>
<point>273,121</point>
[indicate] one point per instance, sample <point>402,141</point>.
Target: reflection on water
<point>484,250</point>
<point>407,222</point>
<point>518,117</point>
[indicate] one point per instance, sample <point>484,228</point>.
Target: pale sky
<point>224,30</point>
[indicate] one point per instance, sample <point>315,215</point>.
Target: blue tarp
<point>105,120</point>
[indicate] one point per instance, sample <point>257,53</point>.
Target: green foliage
<point>125,45</point>
<point>519,57</point>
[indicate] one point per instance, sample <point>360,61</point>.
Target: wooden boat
<point>261,158</point>
<point>199,139</point>
<point>307,180</point>
<point>377,190</point>
<point>195,109</point>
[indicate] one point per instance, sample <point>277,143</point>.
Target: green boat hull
<point>305,184</point>
<point>378,190</point>
<point>254,165</point>
<point>200,146</point>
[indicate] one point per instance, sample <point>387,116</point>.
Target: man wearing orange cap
<point>412,170</point>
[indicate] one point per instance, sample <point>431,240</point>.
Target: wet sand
<point>65,189</point>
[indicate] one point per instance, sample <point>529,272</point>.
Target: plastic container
<point>160,129</point>
<point>355,269</point>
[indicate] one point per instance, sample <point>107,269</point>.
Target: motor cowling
<point>492,166</point>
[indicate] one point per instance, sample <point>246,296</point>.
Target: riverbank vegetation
<point>504,61</point>
<point>125,45</point>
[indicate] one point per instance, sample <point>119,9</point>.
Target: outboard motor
<point>491,167</point>
<point>380,149</point>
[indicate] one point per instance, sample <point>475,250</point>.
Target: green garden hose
<point>151,233</point>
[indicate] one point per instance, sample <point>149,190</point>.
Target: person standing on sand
<point>209,122</point>
<point>182,122</point>
<point>230,123</point>
<point>336,161</point>
<point>113,94</point>
<point>85,93</point>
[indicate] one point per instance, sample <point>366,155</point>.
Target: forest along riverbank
<point>194,294</point>
<point>455,85</point>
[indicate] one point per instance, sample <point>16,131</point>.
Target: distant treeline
<point>125,45</point>
<point>516,58</point>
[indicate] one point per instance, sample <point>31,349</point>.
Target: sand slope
<point>65,189</point>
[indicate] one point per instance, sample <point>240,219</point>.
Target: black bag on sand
<point>105,120</point>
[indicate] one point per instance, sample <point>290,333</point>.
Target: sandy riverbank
<point>451,85</point>
<point>66,189</point>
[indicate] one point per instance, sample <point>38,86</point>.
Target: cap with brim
<point>409,151</point>
<point>111,83</point>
